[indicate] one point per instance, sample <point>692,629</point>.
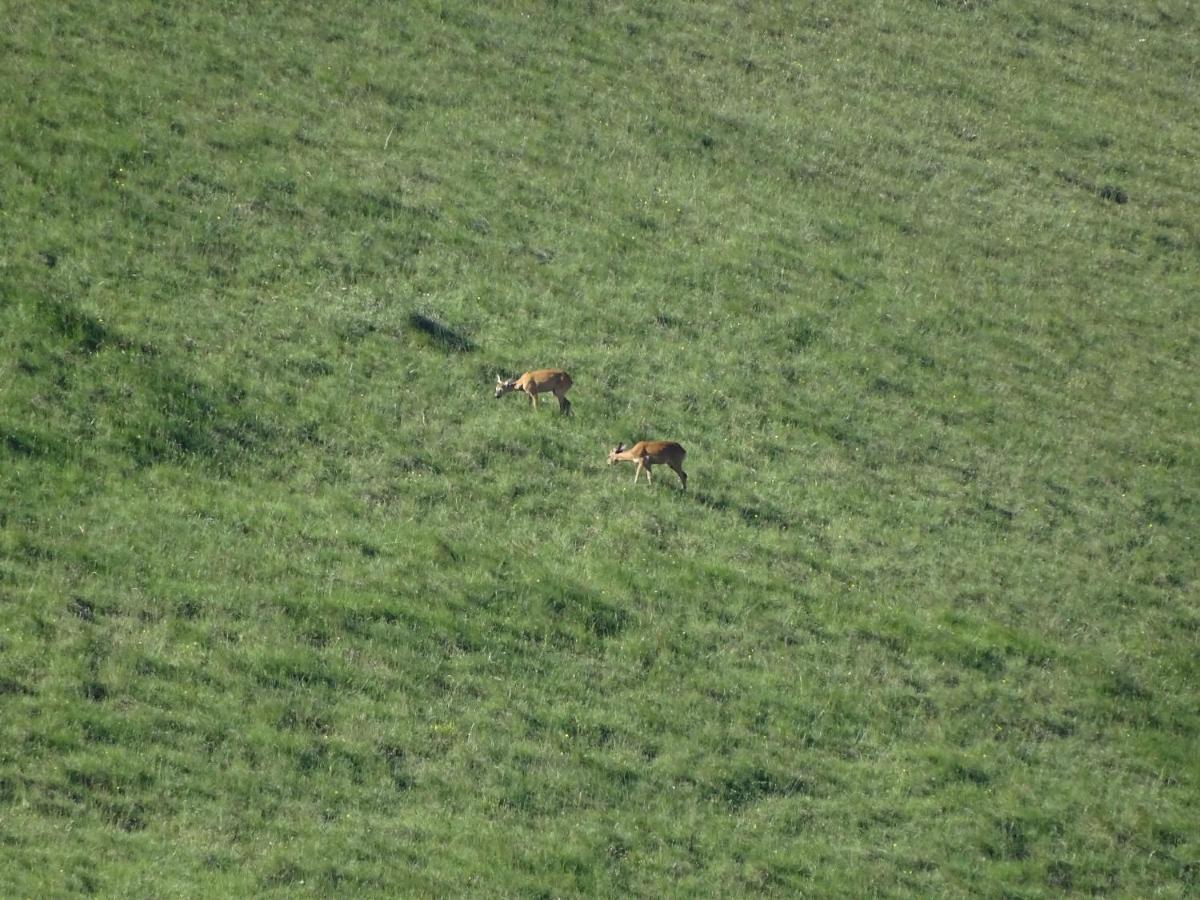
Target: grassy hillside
<point>290,605</point>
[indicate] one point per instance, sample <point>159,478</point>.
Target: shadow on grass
<point>440,335</point>
<point>756,515</point>
<point>165,412</point>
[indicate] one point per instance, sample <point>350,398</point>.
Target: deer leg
<point>637,471</point>
<point>564,405</point>
<point>682,475</point>
<point>533,399</point>
<point>649,480</point>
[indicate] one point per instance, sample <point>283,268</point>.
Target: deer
<point>649,453</point>
<point>539,381</point>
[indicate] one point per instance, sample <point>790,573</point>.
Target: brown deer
<point>650,453</point>
<point>539,381</point>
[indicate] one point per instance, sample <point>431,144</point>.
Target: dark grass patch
<point>297,670</point>
<point>1011,840</point>
<point>95,690</point>
<point>396,760</point>
<point>1060,875</point>
<point>13,687</point>
<point>81,330</point>
<point>802,334</point>
<point>747,785</point>
<point>1113,193</point>
<point>283,873</point>
<point>144,401</point>
<point>578,612</point>
<point>311,367</point>
<point>28,442</point>
<point>83,608</point>
<point>756,515</point>
<point>1109,192</point>
<point>439,335</point>
<point>1122,685</point>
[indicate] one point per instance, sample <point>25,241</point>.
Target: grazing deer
<point>650,453</point>
<point>539,381</point>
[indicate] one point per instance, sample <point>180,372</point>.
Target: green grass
<point>290,605</point>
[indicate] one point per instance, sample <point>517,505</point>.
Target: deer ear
<point>498,380</point>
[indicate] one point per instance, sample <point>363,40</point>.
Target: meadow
<point>291,606</point>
